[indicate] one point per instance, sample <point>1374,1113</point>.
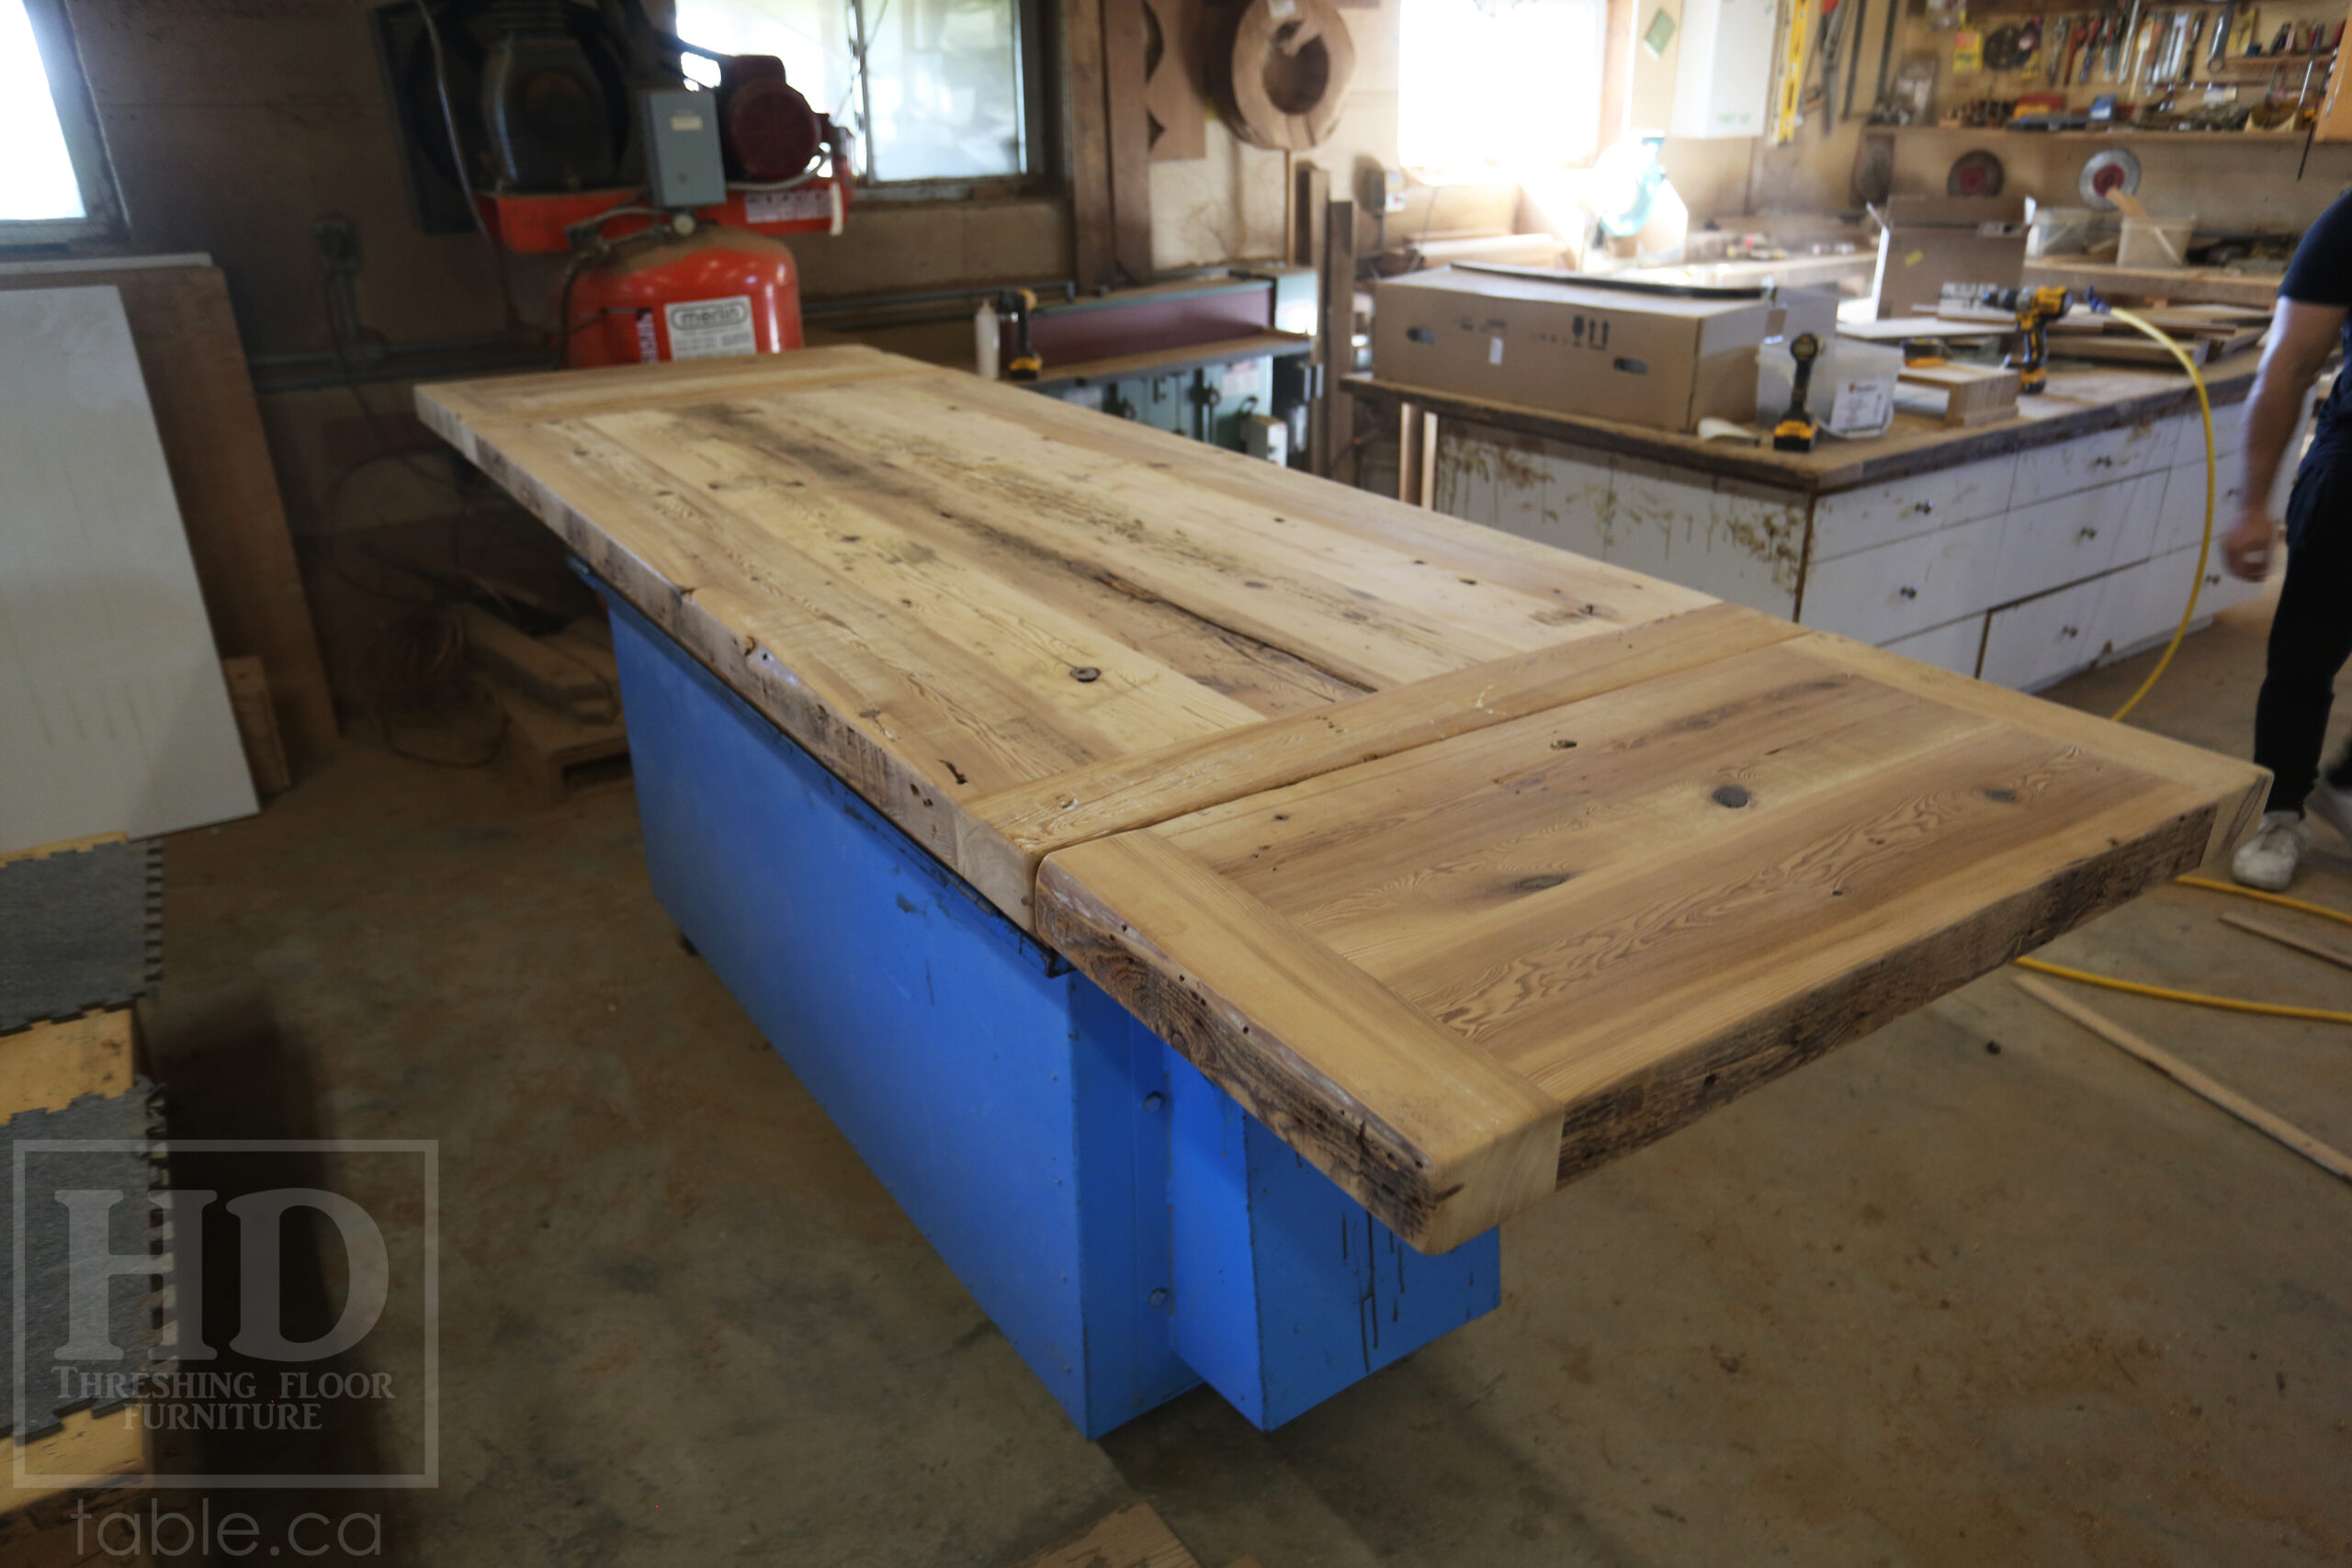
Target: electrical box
<point>682,163</point>
<point>1722,75</point>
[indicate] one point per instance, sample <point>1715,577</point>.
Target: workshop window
<point>931,90</point>
<point>1490,88</point>
<point>55,182</point>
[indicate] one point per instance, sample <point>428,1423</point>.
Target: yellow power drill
<point>2035,308</point>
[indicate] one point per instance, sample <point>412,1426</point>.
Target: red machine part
<point>714,292</point>
<point>765,128</point>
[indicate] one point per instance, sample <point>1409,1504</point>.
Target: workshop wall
<point>237,125</point>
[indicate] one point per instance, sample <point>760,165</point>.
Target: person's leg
<point>2311,638</point>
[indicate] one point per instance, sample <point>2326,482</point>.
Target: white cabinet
<point>2018,569</point>
<point>2097,459</point>
<point>1896,590</point>
<point>1861,519</point>
<point>2069,538</point>
<point>2030,644</point>
<point>1954,646</point>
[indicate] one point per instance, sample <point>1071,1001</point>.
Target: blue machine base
<point>1130,1229</point>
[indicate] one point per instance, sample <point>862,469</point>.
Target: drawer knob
<point>1907,592</point>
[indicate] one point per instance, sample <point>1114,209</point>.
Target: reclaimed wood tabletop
<point>1463,862</point>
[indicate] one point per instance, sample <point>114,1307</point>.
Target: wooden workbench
<point>2019,550</point>
<point>1460,862</point>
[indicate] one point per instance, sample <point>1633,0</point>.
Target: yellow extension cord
<point>2196,587</point>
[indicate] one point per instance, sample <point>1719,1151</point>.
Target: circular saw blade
<point>1977,173</point>
<point>2108,170</point>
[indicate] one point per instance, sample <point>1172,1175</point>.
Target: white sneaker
<point>2268,859</point>
<point>2334,806</point>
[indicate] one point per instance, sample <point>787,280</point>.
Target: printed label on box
<point>1859,406</point>
<point>710,329</point>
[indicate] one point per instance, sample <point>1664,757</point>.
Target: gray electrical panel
<point>682,162</point>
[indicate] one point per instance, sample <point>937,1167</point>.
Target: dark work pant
<point>2310,639</point>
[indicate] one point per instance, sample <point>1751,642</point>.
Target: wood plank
<point>2327,951</point>
<point>1094,259</point>
<point>1030,822</point>
<point>1128,120</point>
<point>210,424</point>
<point>256,718</point>
<point>908,570</point>
<point>1159,361</point>
<point>1338,284</point>
<point>2271,1125</point>
<point>1464,864</point>
<point>1641,902</point>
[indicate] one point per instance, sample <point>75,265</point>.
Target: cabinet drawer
<point>2187,434</point>
<point>2068,538</point>
<point>1896,590</point>
<point>2180,516</point>
<point>2094,459</point>
<point>1954,646</point>
<point>1854,520</point>
<point>2030,644</point>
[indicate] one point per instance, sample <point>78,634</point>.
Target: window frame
<point>1038,52</point>
<point>104,217</point>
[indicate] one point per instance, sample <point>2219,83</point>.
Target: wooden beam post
<point>1128,117</point>
<point>1337,429</point>
<point>1092,257</point>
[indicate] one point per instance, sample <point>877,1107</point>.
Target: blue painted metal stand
<point>1130,1229</point>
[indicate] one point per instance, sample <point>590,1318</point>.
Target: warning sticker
<point>710,329</point>
<point>788,206</point>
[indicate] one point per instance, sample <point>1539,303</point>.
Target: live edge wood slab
<point>1464,864</point>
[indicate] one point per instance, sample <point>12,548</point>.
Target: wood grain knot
<point>1085,675</point>
<point>1732,796</point>
<point>1538,883</point>
<point>2002,796</point>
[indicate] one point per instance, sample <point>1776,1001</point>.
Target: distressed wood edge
<point>1456,1145</point>
<point>1009,833</point>
<point>1642,1107</point>
<point>2236,788</point>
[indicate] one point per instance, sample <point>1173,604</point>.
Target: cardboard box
<point>1931,240</point>
<point>1569,347</point>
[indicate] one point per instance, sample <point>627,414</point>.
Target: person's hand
<point>2246,547</point>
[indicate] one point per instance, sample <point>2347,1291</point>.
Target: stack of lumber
<point>2207,331</point>
<point>1464,864</point>
<point>560,695</point>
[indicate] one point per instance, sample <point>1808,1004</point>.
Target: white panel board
<point>113,713</point>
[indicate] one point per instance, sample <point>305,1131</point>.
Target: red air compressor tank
<point>699,296</point>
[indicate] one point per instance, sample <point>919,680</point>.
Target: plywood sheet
<point>113,713</point>
<point>1464,863</point>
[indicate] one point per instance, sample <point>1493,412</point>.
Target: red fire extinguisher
<point>688,292</point>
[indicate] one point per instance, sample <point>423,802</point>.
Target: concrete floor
<point>1977,1290</point>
